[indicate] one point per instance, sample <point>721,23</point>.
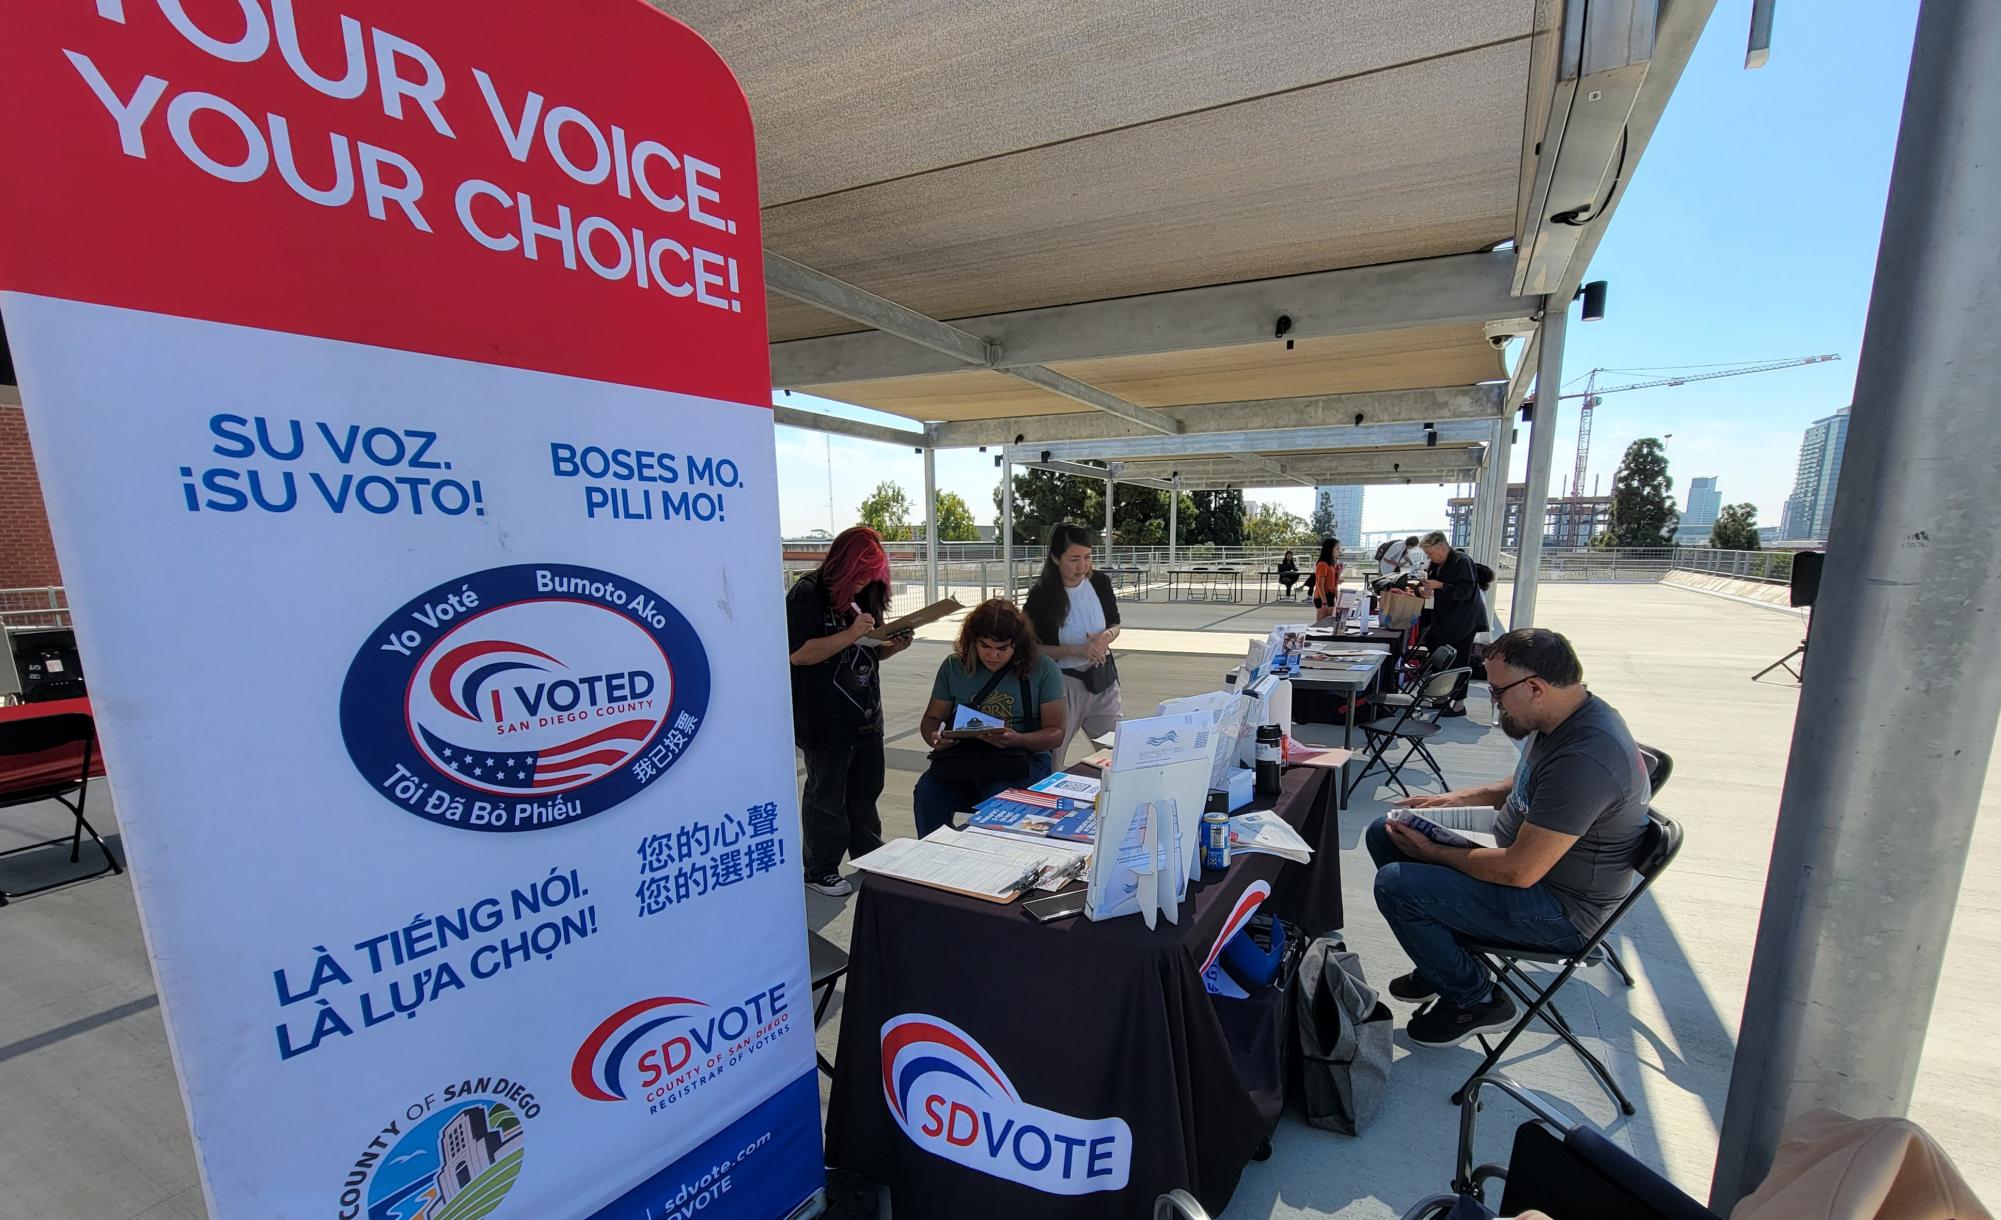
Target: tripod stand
<point>1785,662</point>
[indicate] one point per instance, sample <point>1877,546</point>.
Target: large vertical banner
<point>397,375</point>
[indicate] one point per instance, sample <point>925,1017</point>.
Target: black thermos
<point>1270,746</point>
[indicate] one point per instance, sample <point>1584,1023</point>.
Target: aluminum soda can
<point>1215,840</point>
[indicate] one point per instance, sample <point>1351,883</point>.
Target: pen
<point>1027,881</point>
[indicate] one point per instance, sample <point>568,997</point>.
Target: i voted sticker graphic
<point>524,697</point>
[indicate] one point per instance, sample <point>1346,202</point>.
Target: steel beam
<point>1275,443</point>
<point>823,291</point>
<point>1315,411</point>
<point>1007,527</point>
<point>1897,711</point>
<point>1095,473</point>
<point>1457,289</point>
<point>1091,396</point>
<point>930,525</point>
<point>792,417</point>
<point>1542,452</point>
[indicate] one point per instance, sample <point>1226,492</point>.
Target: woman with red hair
<point>837,702</point>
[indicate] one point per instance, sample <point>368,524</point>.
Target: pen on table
<point>1027,882</point>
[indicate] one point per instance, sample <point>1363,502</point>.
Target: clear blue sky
<point>1749,233</point>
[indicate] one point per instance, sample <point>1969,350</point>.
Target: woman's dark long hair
<point>1330,551</point>
<point>996,619</point>
<point>1048,602</point>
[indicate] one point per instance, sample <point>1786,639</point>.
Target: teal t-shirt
<point>954,685</point>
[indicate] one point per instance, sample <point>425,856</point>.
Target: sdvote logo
<point>1214,977</point>
<point>952,1100</point>
<point>664,1049</point>
<point>524,697</point>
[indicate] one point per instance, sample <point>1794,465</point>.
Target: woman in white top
<point>1076,618</point>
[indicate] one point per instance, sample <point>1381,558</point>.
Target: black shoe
<point>1411,987</point>
<point>1453,711</point>
<point>1446,1024</point>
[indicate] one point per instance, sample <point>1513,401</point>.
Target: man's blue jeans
<point>1428,906</point>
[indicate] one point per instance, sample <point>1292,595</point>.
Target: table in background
<point>1087,1020</point>
<point>1136,578</point>
<point>1272,574</point>
<point>23,771</point>
<point>1185,580</point>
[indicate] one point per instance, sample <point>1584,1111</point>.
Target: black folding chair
<point>1568,1171</point>
<point>40,735</point>
<point>827,962</point>
<point>1413,723</point>
<point>1659,767</point>
<point>1658,845</point>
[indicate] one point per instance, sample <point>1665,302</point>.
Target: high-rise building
<point>1810,509</point>
<point>1704,502</point>
<point>1567,521</point>
<point>1345,504</point>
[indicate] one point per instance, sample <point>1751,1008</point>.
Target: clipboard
<point>916,618</point>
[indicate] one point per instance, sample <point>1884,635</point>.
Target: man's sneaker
<point>833,885</point>
<point>1411,987</point>
<point>1445,1024</point>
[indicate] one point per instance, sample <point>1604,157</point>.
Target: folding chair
<point>1658,845</point>
<point>22,738</point>
<point>1659,767</point>
<point>826,961</point>
<point>1414,723</point>
<point>1568,1171</point>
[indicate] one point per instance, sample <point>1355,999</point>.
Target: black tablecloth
<point>1046,1036</point>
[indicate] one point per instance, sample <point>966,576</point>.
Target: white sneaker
<point>833,885</point>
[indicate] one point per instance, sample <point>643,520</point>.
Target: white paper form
<point>965,718</point>
<point>947,866</point>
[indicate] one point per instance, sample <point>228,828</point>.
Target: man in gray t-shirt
<point>1571,818</point>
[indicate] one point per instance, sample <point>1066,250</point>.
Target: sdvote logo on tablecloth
<point>524,697</point>
<point>952,1099</point>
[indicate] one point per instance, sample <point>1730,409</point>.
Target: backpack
<point>1343,1035</point>
<point>1483,575</point>
<point>1383,549</point>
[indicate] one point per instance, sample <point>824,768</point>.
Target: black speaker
<point>1806,577</point>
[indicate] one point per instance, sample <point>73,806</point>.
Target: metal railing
<point>47,606</point>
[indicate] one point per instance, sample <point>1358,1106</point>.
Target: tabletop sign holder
<point>1147,842</point>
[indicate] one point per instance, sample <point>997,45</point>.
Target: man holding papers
<point>1569,820</point>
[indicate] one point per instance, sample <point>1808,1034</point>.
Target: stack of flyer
<point>1266,833</point>
<point>1061,806</point>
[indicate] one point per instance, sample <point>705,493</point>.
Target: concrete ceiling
<point>968,159</point>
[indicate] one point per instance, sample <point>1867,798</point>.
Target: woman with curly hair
<point>996,670</point>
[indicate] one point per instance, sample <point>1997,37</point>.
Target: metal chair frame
<point>47,733</point>
<point>1657,849</point>
<point>823,987</point>
<point>1429,700</point>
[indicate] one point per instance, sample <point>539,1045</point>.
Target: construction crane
<point>1591,393</point>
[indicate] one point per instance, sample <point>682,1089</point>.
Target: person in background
<point>1571,817</point>
<point>1076,618</point>
<point>1396,563</point>
<point>837,702</point>
<point>1457,612</point>
<point>996,670</point>
<point>1327,579</point>
<point>1288,574</point>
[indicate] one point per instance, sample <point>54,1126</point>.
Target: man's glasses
<point>1495,692</point>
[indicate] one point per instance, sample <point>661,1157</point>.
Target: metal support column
<point>1111,494</point>
<point>1896,714</point>
<point>1542,449</point>
<point>1007,527</point>
<point>1173,518</point>
<point>930,525</point>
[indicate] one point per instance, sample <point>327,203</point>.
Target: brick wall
<point>27,555</point>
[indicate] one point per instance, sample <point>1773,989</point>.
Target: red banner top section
<point>568,187</point>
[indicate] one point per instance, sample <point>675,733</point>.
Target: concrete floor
<point>94,1126</point>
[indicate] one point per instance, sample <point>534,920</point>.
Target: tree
<point>1643,513</point>
<point>1268,524</point>
<point>1323,515</point>
<point>887,511</point>
<point>1736,528</point>
<point>1043,499</point>
<point>955,520</point>
<point>1219,519</point>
